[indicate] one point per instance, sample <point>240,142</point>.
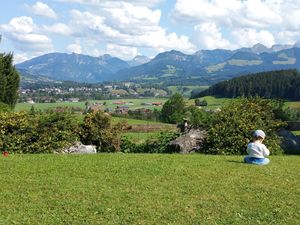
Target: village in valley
<point>82,92</point>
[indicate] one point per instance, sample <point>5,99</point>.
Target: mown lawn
<point>148,189</point>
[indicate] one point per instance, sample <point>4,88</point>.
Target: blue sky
<point>131,27</point>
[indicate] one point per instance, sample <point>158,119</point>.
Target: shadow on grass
<point>235,161</point>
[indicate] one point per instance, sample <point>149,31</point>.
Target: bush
<point>14,133</point>
<point>98,130</point>
<point>198,117</point>
<point>155,145</point>
<point>25,133</point>
<point>174,109</point>
<point>231,128</point>
<point>54,131</point>
<point>4,107</point>
<point>199,102</point>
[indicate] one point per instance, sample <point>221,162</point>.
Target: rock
<point>189,142</point>
<point>290,143</point>
<point>80,148</point>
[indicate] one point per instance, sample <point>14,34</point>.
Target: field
<point>293,104</point>
<point>296,132</point>
<point>140,138</point>
<point>213,103</point>
<point>137,103</point>
<point>148,189</point>
<point>186,90</point>
<point>136,122</point>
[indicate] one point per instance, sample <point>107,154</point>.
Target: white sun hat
<point>259,133</point>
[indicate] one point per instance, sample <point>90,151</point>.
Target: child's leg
<point>263,161</point>
<point>256,161</point>
<point>247,159</point>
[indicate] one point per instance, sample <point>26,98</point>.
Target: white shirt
<point>257,150</point>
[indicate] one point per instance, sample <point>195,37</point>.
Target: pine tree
<point>9,80</point>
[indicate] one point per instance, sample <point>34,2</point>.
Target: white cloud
<point>123,52</point>
<point>24,35</point>
<point>131,26</point>
<point>75,47</point>
<point>288,37</point>
<point>191,10</point>
<point>292,21</point>
<point>209,36</point>
<point>242,23</point>
<point>250,37</point>
<point>57,28</point>
<point>22,24</point>
<point>241,14</point>
<point>132,19</point>
<point>42,9</point>
<point>21,57</point>
<point>115,3</point>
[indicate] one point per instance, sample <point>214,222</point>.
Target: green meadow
<point>296,132</point>
<point>131,103</point>
<point>213,103</point>
<point>139,138</point>
<point>148,189</point>
<point>293,105</point>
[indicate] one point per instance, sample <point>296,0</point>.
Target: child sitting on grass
<point>257,150</point>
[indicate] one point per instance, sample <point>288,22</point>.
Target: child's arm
<point>248,150</point>
<point>266,151</point>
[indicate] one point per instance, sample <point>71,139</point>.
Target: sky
<point>144,27</point>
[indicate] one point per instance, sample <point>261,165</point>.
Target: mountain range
<point>203,67</point>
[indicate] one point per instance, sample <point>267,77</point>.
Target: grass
<point>293,105</point>
<point>296,132</point>
<point>188,89</point>
<point>148,189</point>
<point>135,121</point>
<point>109,104</point>
<point>212,102</point>
<point>140,137</point>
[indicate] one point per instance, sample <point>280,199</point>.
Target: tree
<point>174,109</point>
<point>98,130</point>
<point>198,102</point>
<point>9,80</point>
<point>231,128</point>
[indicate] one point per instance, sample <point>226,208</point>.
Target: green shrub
<point>231,128</point>
<point>4,107</point>
<point>98,130</point>
<point>14,133</point>
<point>173,110</point>
<point>53,132</point>
<point>199,102</point>
<point>198,117</point>
<point>46,133</point>
<point>159,144</point>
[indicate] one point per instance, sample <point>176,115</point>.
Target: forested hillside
<point>283,84</point>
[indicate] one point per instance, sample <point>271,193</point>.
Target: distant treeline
<point>284,84</point>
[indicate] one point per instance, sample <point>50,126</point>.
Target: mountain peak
<point>171,54</point>
<point>105,57</point>
<point>138,60</point>
<point>260,48</point>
